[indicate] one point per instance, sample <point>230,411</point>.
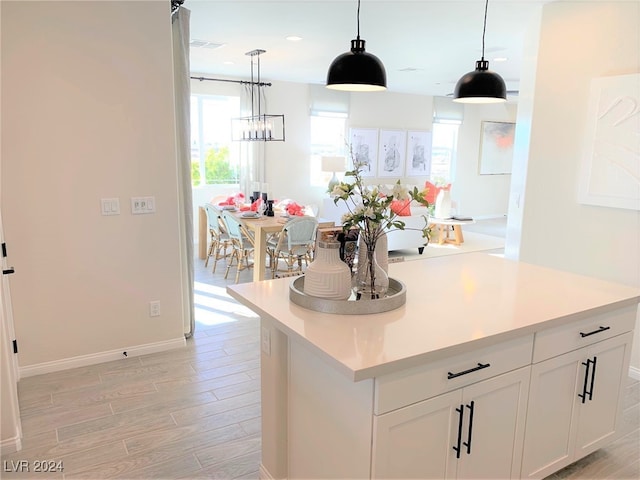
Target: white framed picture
<point>418,153</point>
<point>392,153</point>
<point>364,148</point>
<point>496,148</point>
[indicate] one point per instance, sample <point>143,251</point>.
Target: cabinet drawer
<point>556,341</point>
<point>419,383</point>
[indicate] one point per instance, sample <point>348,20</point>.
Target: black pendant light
<point>357,70</point>
<point>482,85</point>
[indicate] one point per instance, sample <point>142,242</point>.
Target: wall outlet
<point>154,308</point>
<point>143,205</point>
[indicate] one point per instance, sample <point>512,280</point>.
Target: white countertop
<point>454,303</point>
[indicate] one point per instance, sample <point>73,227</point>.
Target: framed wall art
<point>392,153</point>
<point>418,153</point>
<point>496,147</point>
<point>364,148</point>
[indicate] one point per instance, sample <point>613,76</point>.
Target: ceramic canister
<point>328,276</point>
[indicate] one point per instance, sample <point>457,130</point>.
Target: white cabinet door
<point>474,432</point>
<point>551,406</point>
<point>493,437</point>
<point>573,411</point>
<point>599,415</point>
<point>415,441</point>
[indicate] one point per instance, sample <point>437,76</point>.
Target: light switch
<point>110,206</point>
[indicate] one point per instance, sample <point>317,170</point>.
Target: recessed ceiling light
<point>293,38</point>
<point>205,44</point>
<point>500,59</point>
<point>229,62</point>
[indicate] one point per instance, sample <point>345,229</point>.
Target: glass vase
<point>371,282</point>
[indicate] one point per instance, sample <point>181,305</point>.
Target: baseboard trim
<point>264,473</point>
<point>101,357</point>
<point>11,445</point>
<point>634,373</point>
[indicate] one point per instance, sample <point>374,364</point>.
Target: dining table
<point>261,226</point>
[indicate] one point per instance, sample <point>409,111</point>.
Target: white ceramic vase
<point>328,276</point>
<point>443,204</point>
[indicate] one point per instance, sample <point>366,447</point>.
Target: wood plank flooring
<point>195,412</point>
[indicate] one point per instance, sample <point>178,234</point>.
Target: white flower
<point>369,205</point>
<point>400,192</point>
<point>369,212</point>
<point>346,217</point>
<point>339,190</point>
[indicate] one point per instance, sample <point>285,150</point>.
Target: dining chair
<point>220,240</point>
<point>242,244</point>
<point>294,244</point>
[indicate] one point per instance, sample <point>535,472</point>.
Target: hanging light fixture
<point>357,70</point>
<point>482,85</point>
<point>259,126</point>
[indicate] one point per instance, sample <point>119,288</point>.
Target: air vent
<point>205,44</point>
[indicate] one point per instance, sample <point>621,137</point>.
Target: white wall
<point>578,41</point>
<point>480,195</point>
<point>87,112</point>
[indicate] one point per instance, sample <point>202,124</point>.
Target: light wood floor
<point>195,412</point>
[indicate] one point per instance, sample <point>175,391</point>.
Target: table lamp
<point>333,164</point>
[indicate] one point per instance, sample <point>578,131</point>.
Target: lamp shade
<point>333,164</point>
<point>357,71</point>
<point>480,86</point>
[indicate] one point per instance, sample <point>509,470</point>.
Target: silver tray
<point>396,297</point>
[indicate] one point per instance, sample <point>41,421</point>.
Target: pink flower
<point>294,209</point>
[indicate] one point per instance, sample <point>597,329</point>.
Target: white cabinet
<point>472,432</point>
<point>574,404</point>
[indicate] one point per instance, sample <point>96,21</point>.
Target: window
<point>214,157</point>
<point>443,151</point>
<point>327,139</point>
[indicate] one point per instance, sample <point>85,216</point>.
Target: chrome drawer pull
<point>601,329</point>
<point>474,369</point>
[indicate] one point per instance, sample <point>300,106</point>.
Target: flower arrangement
<point>294,209</point>
<point>370,211</point>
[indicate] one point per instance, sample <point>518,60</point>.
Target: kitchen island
<point>488,371</point>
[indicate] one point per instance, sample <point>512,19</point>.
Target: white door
<point>10,426</point>
<point>493,432</point>
<point>416,441</point>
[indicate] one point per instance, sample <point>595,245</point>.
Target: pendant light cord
<point>358,20</point>
<point>484,27</point>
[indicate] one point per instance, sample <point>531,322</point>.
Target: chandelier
<point>259,126</point>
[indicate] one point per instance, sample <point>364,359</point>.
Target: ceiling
<point>426,46</point>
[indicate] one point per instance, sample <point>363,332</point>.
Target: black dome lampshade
<point>357,70</point>
<point>482,85</point>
